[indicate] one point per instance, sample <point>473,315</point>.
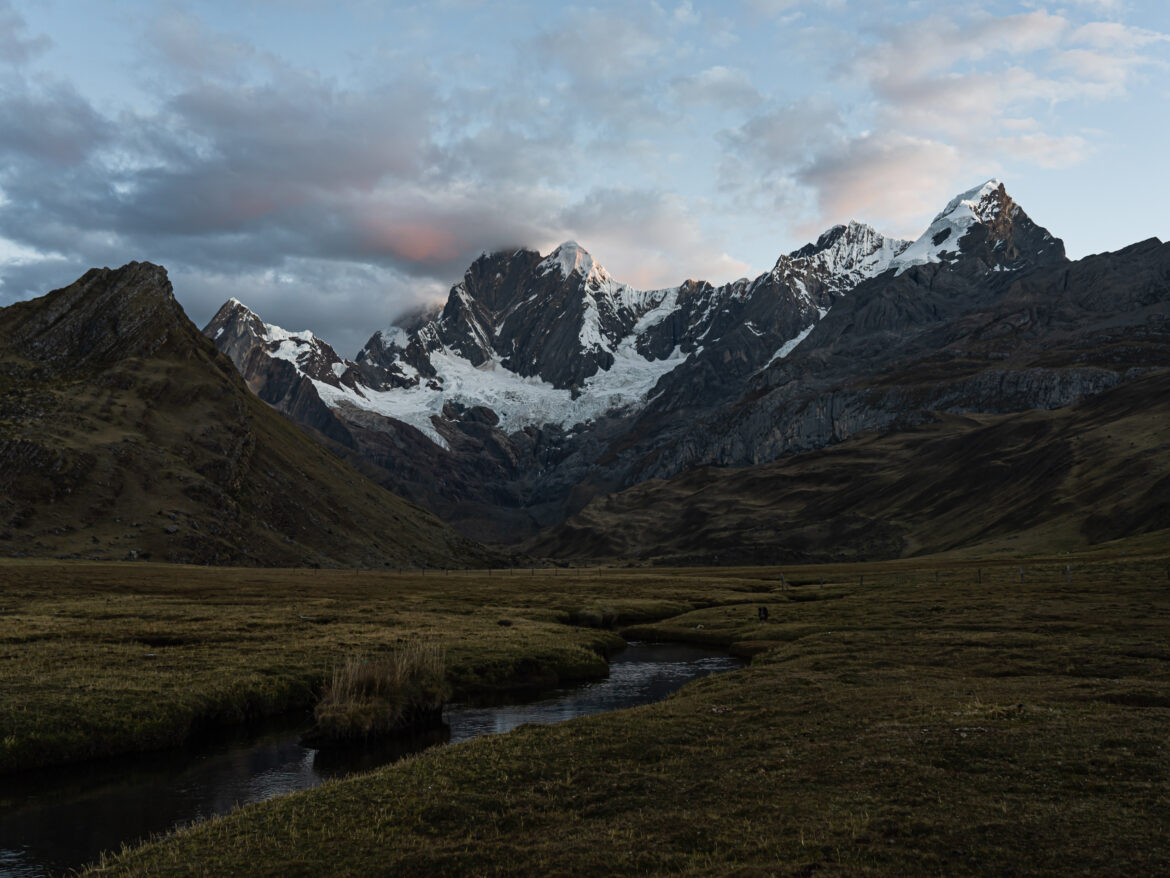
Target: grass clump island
<point>370,697</point>
<point>936,716</point>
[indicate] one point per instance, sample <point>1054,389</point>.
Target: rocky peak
<point>984,202</point>
<point>238,331</point>
<point>986,230</point>
<point>842,257</point>
<point>496,281</point>
<point>824,242</point>
<point>236,317</point>
<point>105,316</point>
<point>558,318</point>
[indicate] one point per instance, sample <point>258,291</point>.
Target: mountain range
<point>866,397</point>
<point>543,388</point>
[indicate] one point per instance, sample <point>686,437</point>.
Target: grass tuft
<point>370,697</point>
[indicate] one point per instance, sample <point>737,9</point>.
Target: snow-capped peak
<point>941,240</point>
<point>844,255</point>
<point>570,257</point>
<point>981,202</point>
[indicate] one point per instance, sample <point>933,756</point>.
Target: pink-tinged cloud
<point>889,180</point>
<point>419,243</point>
<point>646,238</point>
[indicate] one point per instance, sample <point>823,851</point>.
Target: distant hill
<point>125,434</point>
<point>1036,481</point>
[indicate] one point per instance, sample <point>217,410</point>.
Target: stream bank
<point>62,818</point>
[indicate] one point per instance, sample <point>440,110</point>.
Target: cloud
<point>685,13</point>
<point>17,47</point>
<point>894,176</point>
<point>950,74</point>
<point>1113,35</point>
<point>50,125</point>
<point>1044,150</point>
<point>782,136</point>
<point>598,46</point>
<point>778,8</point>
<point>186,45</point>
<point>1105,7</point>
<point>938,43</point>
<point>720,86</point>
<point>945,99</point>
<point>641,233</point>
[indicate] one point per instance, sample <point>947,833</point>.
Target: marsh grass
<point>105,659</point>
<point>965,724</point>
<point>900,723</point>
<point>372,696</point>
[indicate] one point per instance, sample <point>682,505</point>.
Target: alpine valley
<point>550,406</point>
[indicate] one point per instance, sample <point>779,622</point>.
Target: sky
<point>333,163</point>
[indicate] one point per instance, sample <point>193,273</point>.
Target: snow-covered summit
<point>233,308</point>
<point>842,257</point>
<point>980,202</point>
<point>940,242</point>
<point>570,257</point>
<point>855,248</point>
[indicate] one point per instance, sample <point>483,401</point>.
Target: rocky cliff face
<point>107,315</point>
<point>544,382</point>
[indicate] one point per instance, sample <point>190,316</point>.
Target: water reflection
<point>642,673</point>
<point>55,820</point>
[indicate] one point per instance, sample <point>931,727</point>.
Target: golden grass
<point>370,696</point>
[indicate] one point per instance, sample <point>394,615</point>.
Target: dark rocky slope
<point>1036,481</point>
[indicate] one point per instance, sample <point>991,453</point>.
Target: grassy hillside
<point>125,434</point>
<point>1037,481</point>
<point>913,717</point>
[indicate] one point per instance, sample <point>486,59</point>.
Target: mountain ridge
<point>837,338</point>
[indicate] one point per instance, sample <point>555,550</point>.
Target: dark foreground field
<point>925,717</point>
<point>102,659</point>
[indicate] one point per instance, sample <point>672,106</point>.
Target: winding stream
<point>58,819</point>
